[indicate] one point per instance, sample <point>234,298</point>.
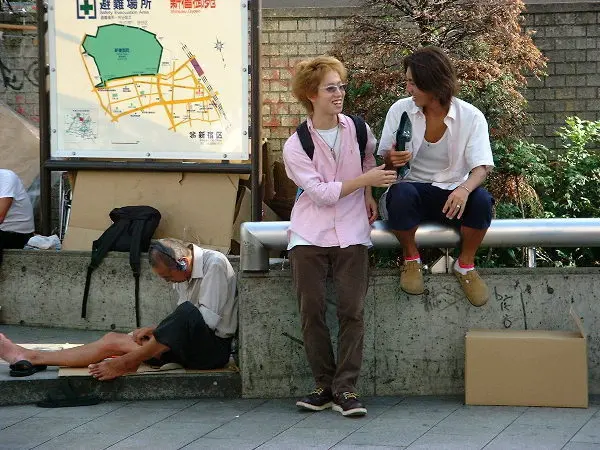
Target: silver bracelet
<point>465,188</point>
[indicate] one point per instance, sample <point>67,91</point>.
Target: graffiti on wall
<point>19,73</point>
<point>15,78</point>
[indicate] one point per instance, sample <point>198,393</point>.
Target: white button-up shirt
<point>211,289</point>
<point>468,140</point>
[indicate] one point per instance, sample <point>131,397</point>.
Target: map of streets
<point>130,77</point>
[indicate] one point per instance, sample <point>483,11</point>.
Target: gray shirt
<point>211,289</point>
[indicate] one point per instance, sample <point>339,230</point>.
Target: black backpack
<point>131,231</point>
<point>309,146</point>
<point>361,137</point>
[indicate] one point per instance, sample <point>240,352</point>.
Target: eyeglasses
<point>333,88</point>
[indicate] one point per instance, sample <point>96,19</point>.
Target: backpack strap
<point>309,146</point>
<point>134,262</point>
<point>100,248</point>
<point>361,135</point>
<point>307,143</point>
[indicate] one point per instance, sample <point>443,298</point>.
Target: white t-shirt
<point>19,218</point>
<point>432,159</point>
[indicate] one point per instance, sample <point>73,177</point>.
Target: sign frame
<point>58,150</point>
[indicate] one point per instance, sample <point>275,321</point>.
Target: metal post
<point>256,109</point>
<point>45,174</point>
<point>531,257</point>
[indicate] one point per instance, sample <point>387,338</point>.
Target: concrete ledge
<point>45,288</point>
<point>155,386</point>
<point>139,387</point>
<point>414,345</point>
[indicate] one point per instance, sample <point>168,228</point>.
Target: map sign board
<point>146,79</point>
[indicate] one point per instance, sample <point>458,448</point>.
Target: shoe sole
<point>310,407</point>
<point>356,412</point>
<point>411,293</point>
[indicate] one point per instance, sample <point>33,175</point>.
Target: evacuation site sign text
<point>149,79</point>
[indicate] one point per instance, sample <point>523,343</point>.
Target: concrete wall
<point>19,66</point>
<point>413,344</point>
<point>45,288</point>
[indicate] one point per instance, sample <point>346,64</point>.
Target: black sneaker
<point>348,404</point>
<point>317,400</point>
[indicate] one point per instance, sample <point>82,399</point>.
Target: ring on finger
<point>458,206</point>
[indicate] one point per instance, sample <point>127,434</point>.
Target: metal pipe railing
<point>259,237</point>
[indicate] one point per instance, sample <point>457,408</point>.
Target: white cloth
<point>39,242</point>
<point>332,139</point>
<point>431,159</point>
<point>468,141</point>
<point>212,289</point>
<point>19,218</point>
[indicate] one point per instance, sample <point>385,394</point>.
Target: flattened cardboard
<point>527,367</point>
<point>195,207</point>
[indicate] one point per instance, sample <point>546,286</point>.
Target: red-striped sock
<point>463,268</point>
<point>416,258</point>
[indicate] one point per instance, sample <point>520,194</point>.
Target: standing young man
<point>450,157</point>
<point>330,227</point>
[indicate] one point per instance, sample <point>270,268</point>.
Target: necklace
<point>330,147</point>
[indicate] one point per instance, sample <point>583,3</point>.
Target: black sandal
<point>24,368</point>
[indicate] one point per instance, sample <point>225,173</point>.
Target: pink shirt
<point>320,216</point>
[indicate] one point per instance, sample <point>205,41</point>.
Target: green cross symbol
<point>86,7</point>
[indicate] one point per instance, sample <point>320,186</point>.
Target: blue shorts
<point>409,204</point>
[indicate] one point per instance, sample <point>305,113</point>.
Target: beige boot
<point>411,278</point>
<point>474,287</point>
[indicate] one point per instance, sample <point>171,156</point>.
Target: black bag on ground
<point>131,231</point>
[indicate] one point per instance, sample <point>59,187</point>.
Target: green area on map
<point>121,51</point>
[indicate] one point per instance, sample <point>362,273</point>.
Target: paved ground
<point>392,423</point>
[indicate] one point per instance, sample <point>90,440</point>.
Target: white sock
<point>462,270</point>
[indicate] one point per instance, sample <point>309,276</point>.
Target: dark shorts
<point>9,239</point>
<point>191,342</point>
<point>410,204</point>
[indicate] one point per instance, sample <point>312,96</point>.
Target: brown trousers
<point>350,269</point>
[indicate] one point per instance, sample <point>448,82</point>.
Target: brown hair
<point>309,73</point>
<point>433,72</point>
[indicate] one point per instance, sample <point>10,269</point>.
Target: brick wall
<point>567,33</point>
<point>19,66</point>
<point>290,35</point>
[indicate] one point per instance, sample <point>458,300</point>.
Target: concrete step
<point>154,386</point>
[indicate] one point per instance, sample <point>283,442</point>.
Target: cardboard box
<point>195,207</point>
<point>527,368</point>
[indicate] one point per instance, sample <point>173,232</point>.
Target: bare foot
<point>11,352</point>
<point>112,368</point>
